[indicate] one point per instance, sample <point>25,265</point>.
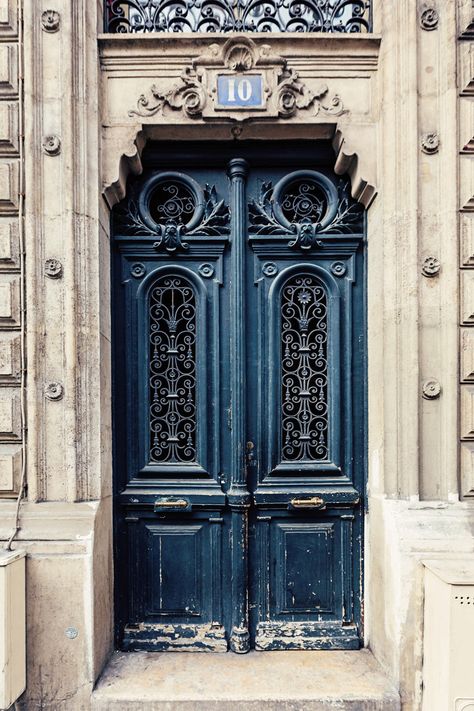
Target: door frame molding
<point>124,139</point>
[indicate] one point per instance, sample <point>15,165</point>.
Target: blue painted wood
<point>238,494</point>
<point>223,550</point>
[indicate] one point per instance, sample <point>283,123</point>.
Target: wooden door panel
<point>303,580</point>
<point>178,590</point>
<point>175,570</point>
<point>239,395</point>
<point>304,567</point>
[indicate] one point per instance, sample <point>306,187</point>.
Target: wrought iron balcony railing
<point>139,16</point>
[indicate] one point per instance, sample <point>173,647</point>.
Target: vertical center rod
<point>238,494</point>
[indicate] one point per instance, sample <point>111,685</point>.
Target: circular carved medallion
<point>206,270</point>
<point>53,268</point>
<point>305,197</point>
<point>429,19</point>
<point>54,391</point>
<point>172,198</point>
<point>50,21</point>
<point>431,267</point>
<point>51,145</point>
<point>431,389</point>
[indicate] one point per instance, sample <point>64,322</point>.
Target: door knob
<point>313,502</point>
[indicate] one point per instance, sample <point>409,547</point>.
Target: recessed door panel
<point>302,579</point>
<point>175,569</point>
<point>239,400</point>
<point>176,600</point>
<point>303,569</point>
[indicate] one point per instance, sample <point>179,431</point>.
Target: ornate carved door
<point>239,401</point>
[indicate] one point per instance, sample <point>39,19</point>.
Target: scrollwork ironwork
<point>304,370</point>
<point>261,217</point>
<point>168,212</point>
<point>216,218</point>
<point>172,370</point>
<point>334,16</point>
<point>350,214</point>
<point>303,200</point>
<point>172,200</point>
<point>300,209</point>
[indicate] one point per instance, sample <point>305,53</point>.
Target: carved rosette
<point>429,19</point>
<point>430,143</point>
<point>51,145</point>
<point>50,20</point>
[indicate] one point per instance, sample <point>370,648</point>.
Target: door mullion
<point>238,495</point>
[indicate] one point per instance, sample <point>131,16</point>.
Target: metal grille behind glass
<point>304,370</point>
<point>172,201</point>
<point>172,370</point>
<point>238,16</point>
<point>303,201</point>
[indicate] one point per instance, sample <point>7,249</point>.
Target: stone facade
<point>466,227</point>
<point>403,132</point>
<point>11,255</point>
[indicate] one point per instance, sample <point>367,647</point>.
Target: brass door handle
<point>314,502</point>
<point>178,504</point>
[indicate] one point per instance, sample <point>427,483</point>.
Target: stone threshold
<point>288,681</point>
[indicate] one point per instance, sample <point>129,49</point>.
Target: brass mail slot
<point>172,504</point>
<point>314,502</point>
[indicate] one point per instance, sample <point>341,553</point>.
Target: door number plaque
<point>240,91</point>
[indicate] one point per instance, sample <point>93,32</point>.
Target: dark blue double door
<point>239,401</point>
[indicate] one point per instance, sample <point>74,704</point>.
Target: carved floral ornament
<point>50,21</point>
<point>283,93</point>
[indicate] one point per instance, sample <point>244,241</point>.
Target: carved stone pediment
<point>239,80</point>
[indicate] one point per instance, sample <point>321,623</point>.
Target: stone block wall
<point>11,279</point>
<point>465,54</point>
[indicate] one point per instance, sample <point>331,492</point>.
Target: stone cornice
<point>334,52</point>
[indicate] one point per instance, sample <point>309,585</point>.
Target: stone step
<point>263,681</point>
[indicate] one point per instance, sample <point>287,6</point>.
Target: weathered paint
<point>226,550</point>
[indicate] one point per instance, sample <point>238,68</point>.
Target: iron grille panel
<point>334,16</point>
<point>172,371</point>
<point>304,370</point>
<point>303,201</point>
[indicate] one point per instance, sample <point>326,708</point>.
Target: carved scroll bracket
<point>282,94</point>
<point>189,96</point>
